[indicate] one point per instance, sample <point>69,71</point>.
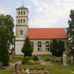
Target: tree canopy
<point>6,37</point>
<point>57,47</point>
<point>7,24</point>
<point>70,30</point>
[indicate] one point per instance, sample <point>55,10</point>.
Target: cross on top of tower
<point>22,4</point>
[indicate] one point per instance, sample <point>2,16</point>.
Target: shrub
<point>47,59</point>
<point>35,58</point>
<point>26,59</point>
<point>31,62</point>
<point>0,64</point>
<point>5,60</point>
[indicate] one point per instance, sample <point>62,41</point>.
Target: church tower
<point>21,28</point>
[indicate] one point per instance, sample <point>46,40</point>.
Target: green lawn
<point>56,68</point>
<point>9,71</point>
<point>45,57</point>
<point>16,58</point>
<point>53,69</point>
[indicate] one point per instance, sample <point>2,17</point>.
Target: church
<point>40,38</point>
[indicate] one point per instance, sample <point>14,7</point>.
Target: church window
<point>24,12</point>
<point>47,46</point>
<point>23,20</point>
<point>39,46</point>
<point>19,13</point>
<point>18,20</point>
<point>21,32</point>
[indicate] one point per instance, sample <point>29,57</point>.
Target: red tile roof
<point>46,33</point>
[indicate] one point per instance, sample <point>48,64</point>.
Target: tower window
<point>24,12</point>
<point>21,32</point>
<point>23,20</point>
<point>19,13</point>
<point>18,20</point>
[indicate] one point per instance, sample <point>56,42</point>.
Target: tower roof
<point>21,8</point>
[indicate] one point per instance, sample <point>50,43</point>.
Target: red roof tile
<point>46,33</point>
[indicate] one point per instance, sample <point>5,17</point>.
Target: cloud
<point>48,13</point>
<point>35,1</point>
<point>42,13</point>
<point>2,10</point>
<point>44,23</point>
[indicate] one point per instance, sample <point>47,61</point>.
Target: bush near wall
<point>29,60</point>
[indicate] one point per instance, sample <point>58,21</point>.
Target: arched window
<point>18,20</point>
<point>47,46</point>
<point>24,12</point>
<point>32,44</point>
<point>23,20</point>
<point>21,32</point>
<point>39,46</point>
<point>18,12</point>
<point>21,12</point>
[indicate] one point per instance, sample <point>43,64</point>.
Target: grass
<point>52,68</point>
<point>16,58</point>
<point>56,68</point>
<point>19,58</point>
<point>44,57</point>
<point>9,71</point>
<point>59,69</point>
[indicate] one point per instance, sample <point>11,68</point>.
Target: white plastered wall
<point>18,47</point>
<point>43,52</point>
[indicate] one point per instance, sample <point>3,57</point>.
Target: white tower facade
<point>21,28</point>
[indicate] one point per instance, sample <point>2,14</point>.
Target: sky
<point>42,13</point>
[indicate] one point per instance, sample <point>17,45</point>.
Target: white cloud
<point>2,10</point>
<point>51,13</point>
<point>35,1</point>
<point>41,23</point>
<point>44,13</point>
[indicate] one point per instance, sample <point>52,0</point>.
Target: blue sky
<point>42,13</point>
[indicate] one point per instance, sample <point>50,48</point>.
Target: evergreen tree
<point>70,32</point>
<point>57,47</point>
<point>27,48</point>
<point>53,47</point>
<point>61,47</point>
